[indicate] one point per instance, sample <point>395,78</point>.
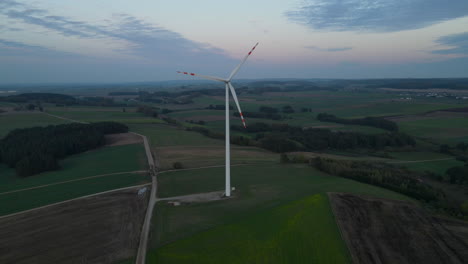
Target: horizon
<point>203,81</point>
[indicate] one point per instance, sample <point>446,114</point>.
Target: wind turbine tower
<point>229,87</point>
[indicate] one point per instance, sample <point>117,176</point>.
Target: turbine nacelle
<point>227,81</point>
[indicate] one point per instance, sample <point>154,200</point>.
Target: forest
<point>34,150</point>
<point>284,138</point>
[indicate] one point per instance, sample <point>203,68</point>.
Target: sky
<point>108,41</point>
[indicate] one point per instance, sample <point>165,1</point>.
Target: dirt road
<point>388,231</point>
<point>153,169</point>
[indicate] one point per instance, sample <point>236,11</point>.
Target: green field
<point>24,200</point>
<point>445,130</point>
<point>259,188</point>
<point>98,114</point>
<point>425,161</point>
<point>12,121</point>
<point>302,231</point>
<point>100,161</point>
<point>105,160</point>
<point>165,135</point>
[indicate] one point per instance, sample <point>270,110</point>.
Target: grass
<point>101,161</point>
<point>302,231</point>
<point>429,161</point>
<point>414,156</point>
<point>165,135</point>
<point>446,130</point>
<point>24,200</point>
<point>13,121</point>
<point>258,188</point>
<point>439,167</point>
<point>97,114</point>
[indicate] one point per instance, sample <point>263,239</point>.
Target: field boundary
<point>74,199</point>
<point>75,180</point>
<point>416,161</point>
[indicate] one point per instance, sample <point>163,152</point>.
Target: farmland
<point>64,233</point>
<point>404,232</point>
<point>82,174</point>
<point>280,211</point>
<point>12,121</point>
<point>302,231</point>
<point>260,188</point>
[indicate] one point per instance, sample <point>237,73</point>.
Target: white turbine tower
<point>234,95</point>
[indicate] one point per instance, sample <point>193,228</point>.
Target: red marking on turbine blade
<point>250,52</point>
<point>193,74</point>
<point>241,114</point>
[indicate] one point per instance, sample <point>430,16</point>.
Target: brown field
<point>204,117</point>
<point>388,231</point>
<point>122,139</point>
<point>201,156</point>
<point>97,229</point>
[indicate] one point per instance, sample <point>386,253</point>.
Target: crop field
<point>425,161</point>
<point>172,144</point>
<point>166,135</point>
<point>32,198</point>
<point>345,104</point>
<point>303,231</point>
<point>15,120</point>
<point>97,114</point>
<point>447,130</point>
<point>99,229</point>
<point>258,188</point>
<point>106,160</point>
<point>405,233</point>
<point>101,161</point>
<point>279,213</point>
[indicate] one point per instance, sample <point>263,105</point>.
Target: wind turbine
<point>229,87</point>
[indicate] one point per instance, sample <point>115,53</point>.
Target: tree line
<point>284,138</point>
<point>35,99</point>
<point>34,150</point>
<point>378,122</point>
<point>383,175</point>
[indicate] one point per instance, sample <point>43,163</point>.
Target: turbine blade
<point>234,95</point>
<point>203,76</point>
<point>240,64</point>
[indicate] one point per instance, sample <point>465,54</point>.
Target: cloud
<point>376,15</point>
<point>142,51</point>
<point>458,41</point>
<point>329,49</point>
<point>145,40</point>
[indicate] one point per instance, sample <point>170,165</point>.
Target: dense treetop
<point>34,150</point>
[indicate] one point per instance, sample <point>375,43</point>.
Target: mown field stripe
<point>75,180</point>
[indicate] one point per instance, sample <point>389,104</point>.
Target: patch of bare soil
<point>98,229</point>
<point>196,198</point>
<point>122,139</point>
<point>388,231</point>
